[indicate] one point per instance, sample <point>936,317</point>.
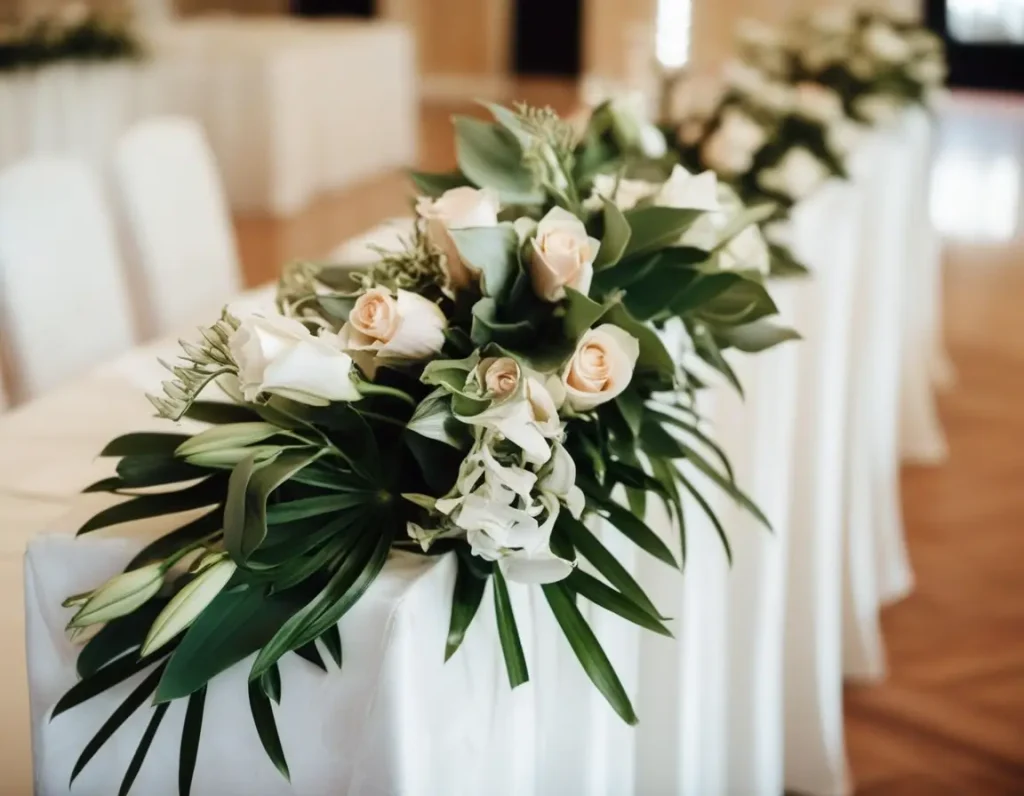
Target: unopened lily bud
<point>120,595</point>
<point>187,604</point>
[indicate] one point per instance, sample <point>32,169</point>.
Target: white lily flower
<point>185,607</point>
<point>120,595</point>
<point>686,191</point>
<point>560,480</point>
<point>746,251</point>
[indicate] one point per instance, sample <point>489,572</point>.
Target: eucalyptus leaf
<point>656,227</point>
<point>615,238</point>
<point>493,252</point>
<point>492,158</point>
<point>757,336</point>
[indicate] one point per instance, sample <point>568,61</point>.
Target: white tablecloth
<point>747,698</point>
<point>292,110</point>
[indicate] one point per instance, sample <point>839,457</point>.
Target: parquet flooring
<point>950,718</point>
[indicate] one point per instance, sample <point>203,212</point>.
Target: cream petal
<point>316,371</point>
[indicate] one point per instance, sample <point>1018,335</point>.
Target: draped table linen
<point>285,116</point>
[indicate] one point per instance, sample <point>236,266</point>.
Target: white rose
<point>457,208</point>
<point>278,355</point>
<point>862,67</point>
<point>685,191</point>
<point>886,44</point>
<point>758,33</point>
<point>499,376</point>
<point>600,368</point>
<point>623,193</point>
<point>706,232</point>
<point>563,256</point>
<point>877,108</point>
<point>832,20</point>
<point>796,175</point>
<point>818,103</point>
<point>652,142</point>
<point>731,148</point>
<point>929,71</point>
<point>407,327</point>
<point>746,251</point>
<point>844,136</point>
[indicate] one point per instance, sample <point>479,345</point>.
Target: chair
<point>63,304</point>
<point>178,222</point>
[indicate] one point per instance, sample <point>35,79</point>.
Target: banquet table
<point>292,110</point>
<point>745,699</point>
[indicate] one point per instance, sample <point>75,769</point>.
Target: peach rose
<point>563,256</point>
<point>406,327</point>
<point>601,368</point>
<point>457,208</point>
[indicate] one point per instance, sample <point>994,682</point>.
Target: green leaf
<point>434,185</point>
<point>124,711</point>
<point>487,327</point>
<point>693,430</point>
<point>631,405</point>
<point>135,472</point>
<point>175,540</point>
<point>755,214</point>
<point>757,336</point>
<point>106,678</point>
<point>615,239</point>
<point>494,252</point>
<point>149,443</point>
<point>232,627</point>
<point>508,633</point>
<point>653,355</point>
<point>703,290</point>
<point>637,531</point>
<point>466,597</point>
<point>588,649</point>
<point>310,653</point>
<point>706,508</point>
<point>117,637</point>
<point>220,412</point>
<point>491,158</point>
<point>589,546</point>
<point>316,506</point>
<point>726,486</point>
<point>656,227</point>
<point>270,683</point>
<point>744,301</point>
<point>205,493</point>
<point>266,727</point>
<point>245,512</point>
<point>331,638</point>
<point>709,351</point>
<point>601,594</point>
<point>581,313</point>
<point>666,474</point>
<point>353,577</point>
<point>191,731</point>
<point>784,263</point>
<point>434,420</point>
<point>142,749</point>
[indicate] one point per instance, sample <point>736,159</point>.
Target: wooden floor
<point>950,718</point>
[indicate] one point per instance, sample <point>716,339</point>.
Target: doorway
<point>547,37</point>
<point>333,8</point>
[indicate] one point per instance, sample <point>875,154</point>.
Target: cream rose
<point>499,376</point>
<point>406,327</point>
<point>884,43</point>
<point>731,148</point>
<point>457,208</point>
<point>623,193</point>
<point>818,103</point>
<point>747,251</point>
<point>279,355</point>
<point>563,256</point>
<point>685,191</point>
<point>601,367</point>
<point>796,175</point>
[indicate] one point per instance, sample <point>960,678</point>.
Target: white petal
<point>312,368</point>
<point>539,567</point>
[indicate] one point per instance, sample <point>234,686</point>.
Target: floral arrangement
<point>76,33</point>
<point>876,63</point>
<point>479,393</point>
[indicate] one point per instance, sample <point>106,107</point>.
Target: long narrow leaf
<point>588,650</point>
<point>191,731</point>
<point>726,486</point>
<point>586,585</point>
<point>121,635</point>
<point>590,547</point>
<point>148,443</point>
<point>508,633</point>
<point>106,678</point>
<point>205,493</point>
<point>270,683</point>
<point>220,413</point>
<point>466,597</point>
<point>638,532</point>
<point>694,430</point>
<point>143,748</point>
<point>124,711</point>
<point>667,474</point>
<point>203,525</point>
<point>310,653</point>
<point>331,638</point>
<point>706,507</point>
<point>266,727</point>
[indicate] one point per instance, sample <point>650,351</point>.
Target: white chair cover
<point>64,306</point>
<point>187,263</point>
